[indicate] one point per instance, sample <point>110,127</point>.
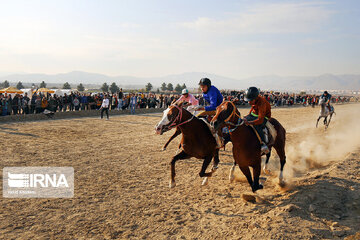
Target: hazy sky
<point>159,37</point>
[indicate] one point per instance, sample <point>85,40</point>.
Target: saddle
<point>269,133</point>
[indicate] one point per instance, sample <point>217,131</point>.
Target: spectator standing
<point>133,102</point>
<point>105,107</point>
<point>76,104</point>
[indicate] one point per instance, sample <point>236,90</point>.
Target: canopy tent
<point>11,90</point>
<point>45,90</point>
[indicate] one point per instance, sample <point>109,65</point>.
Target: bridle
<point>233,113</point>
<point>174,123</point>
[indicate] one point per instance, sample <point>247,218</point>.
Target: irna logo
<point>37,180</point>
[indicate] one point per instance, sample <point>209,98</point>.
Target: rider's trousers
<point>258,128</point>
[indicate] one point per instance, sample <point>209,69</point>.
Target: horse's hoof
<point>172,184</point>
<point>205,182</point>
<point>163,149</point>
<point>282,183</point>
<point>255,188</point>
<point>214,168</point>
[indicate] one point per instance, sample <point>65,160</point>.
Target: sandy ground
<point>121,183</point>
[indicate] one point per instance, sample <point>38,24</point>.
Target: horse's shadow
<point>14,131</point>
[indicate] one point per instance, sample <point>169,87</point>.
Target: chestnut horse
<point>246,145</point>
<point>197,140</point>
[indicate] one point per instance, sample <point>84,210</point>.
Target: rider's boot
<point>219,141</point>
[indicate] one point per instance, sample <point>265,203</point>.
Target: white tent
<point>58,92</point>
<point>28,91</point>
<point>67,91</point>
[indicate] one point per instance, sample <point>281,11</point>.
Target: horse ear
<point>173,101</point>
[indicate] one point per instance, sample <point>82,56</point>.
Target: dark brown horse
<point>246,146</point>
<point>197,140</point>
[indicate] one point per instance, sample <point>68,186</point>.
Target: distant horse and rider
<point>326,110</point>
<point>201,140</point>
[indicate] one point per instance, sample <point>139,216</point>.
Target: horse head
<point>225,113</point>
<point>171,116</point>
<point>322,101</point>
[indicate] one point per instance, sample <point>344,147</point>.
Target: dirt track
<point>121,183</point>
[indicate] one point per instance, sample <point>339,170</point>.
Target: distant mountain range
<point>191,79</point>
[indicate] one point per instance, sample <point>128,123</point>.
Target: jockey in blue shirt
<point>211,95</point>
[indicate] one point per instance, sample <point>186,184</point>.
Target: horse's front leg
<point>317,121</point>
<point>177,133</point>
<point>181,155</point>
<point>256,172</point>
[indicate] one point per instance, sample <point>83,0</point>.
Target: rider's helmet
<point>326,93</point>
<point>184,91</point>
<point>251,94</point>
<point>205,81</point>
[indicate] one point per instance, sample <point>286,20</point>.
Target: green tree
<point>148,87</point>
<point>163,87</point>
<point>66,86</point>
<point>158,90</point>
<point>6,84</point>
<point>105,87</point>
<point>183,86</point>
<point>42,84</point>
<point>170,87</point>
<point>114,88</point>
<point>19,85</point>
<point>178,88</point>
<point>80,87</point>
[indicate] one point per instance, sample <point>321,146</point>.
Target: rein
<point>178,118</point>
<point>239,122</point>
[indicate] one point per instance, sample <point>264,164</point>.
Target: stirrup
<point>264,148</point>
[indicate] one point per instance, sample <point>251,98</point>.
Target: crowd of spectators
<point>277,99</point>
<point>77,101</point>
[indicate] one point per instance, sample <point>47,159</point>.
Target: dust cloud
<point>316,147</point>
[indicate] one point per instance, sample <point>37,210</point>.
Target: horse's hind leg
<point>216,161</point>
<point>329,121</point>
<point>177,133</point>
<point>280,150</point>
<point>202,173</point>
<point>231,175</point>
<point>265,169</point>
<point>181,155</point>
